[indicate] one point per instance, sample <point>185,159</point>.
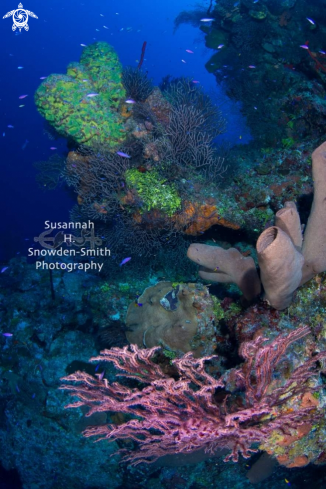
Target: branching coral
<point>182,415</point>
<point>98,177</point>
<point>181,92</point>
<point>187,138</point>
<point>191,17</point>
<point>189,144</point>
<point>136,83</point>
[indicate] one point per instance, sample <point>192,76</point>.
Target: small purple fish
<point>322,52</point>
<point>130,101</point>
<point>8,335</point>
<point>252,66</point>
<point>84,45</point>
<point>189,51</point>
<point>311,21</point>
<point>92,95</point>
<point>124,155</point>
<point>22,96</point>
<point>125,260</point>
<point>4,269</point>
<point>43,77</point>
<point>220,46</point>
<point>10,126</point>
<point>206,20</point>
<point>53,148</point>
<point>101,375</point>
<point>304,46</point>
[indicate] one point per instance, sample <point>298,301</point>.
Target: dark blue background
<point>53,41</point>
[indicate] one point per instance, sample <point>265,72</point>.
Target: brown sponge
<point>314,242</point>
<point>288,220</point>
<point>280,266</point>
<point>227,266</point>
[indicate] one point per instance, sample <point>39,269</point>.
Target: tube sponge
<point>314,243</point>
<point>226,266</point>
<point>283,265</point>
<point>288,220</point>
<point>280,266</point>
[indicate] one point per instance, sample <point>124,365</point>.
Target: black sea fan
<point>49,174</point>
<point>112,335</point>
<point>192,17</point>
<point>138,86</point>
<point>183,94</point>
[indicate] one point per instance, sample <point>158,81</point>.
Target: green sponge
<point>83,104</point>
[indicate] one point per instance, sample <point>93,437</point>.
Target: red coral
<point>318,64</point>
<point>143,49</point>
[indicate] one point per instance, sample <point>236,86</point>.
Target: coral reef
<point>83,104</point>
<point>262,62</point>
<point>87,311</point>
<point>161,184</point>
<point>147,171</point>
<point>199,422</point>
<point>284,262</point>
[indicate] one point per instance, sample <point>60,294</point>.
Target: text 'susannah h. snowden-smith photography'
<point>85,246</point>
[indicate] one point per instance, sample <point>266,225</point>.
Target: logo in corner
<point>20,18</point>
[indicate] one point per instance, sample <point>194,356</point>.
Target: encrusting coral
<point>284,264</point>
<point>154,191</point>
<point>196,218</point>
